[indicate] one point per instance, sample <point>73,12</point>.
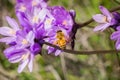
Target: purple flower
<point>59,34</point>
<point>31,13</point>
<point>32,3</point>
<point>105,19</point>
<point>116,36</point>
<point>39,23</point>
<point>10,33</point>
<point>24,39</point>
<point>116,16</point>
<point>59,37</point>
<point>62,18</point>
<point>73,14</point>
<point>35,17</point>
<point>22,48</point>
<point>40,3</point>
<point>27,40</point>
<point>23,56</point>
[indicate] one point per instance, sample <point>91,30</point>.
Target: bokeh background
<point>68,66</point>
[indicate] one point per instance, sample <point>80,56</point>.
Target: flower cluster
<point>107,19</point>
<point>38,22</point>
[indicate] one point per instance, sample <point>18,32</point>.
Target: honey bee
<point>60,39</point>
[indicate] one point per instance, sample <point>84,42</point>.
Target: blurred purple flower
<point>24,39</point>
<point>32,3</point>
<point>62,25</point>
<point>39,23</point>
<point>31,13</point>
<point>10,33</point>
<point>22,48</point>
<point>35,17</point>
<point>62,18</point>
<point>23,56</point>
<point>105,19</point>
<point>116,16</point>
<point>116,36</point>
<point>58,37</point>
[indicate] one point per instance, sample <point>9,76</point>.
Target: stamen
<point>48,21</point>
<point>34,3</point>
<point>24,41</point>
<point>35,19</point>
<point>12,32</point>
<point>25,56</point>
<point>64,22</point>
<point>22,8</point>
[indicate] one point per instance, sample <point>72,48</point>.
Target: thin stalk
<point>84,52</point>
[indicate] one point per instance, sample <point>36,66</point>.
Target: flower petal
<point>15,58</point>
<point>6,31</point>
<point>7,40</point>
<point>23,21</point>
<point>101,27</point>
<point>12,23</point>
<point>50,49</point>
<point>57,52</point>
<point>47,26</point>
<point>118,27</point>
<point>99,18</point>
<point>115,35</point>
<point>117,45</point>
<point>10,51</point>
<point>30,64</point>
<point>35,48</point>
<point>30,37</point>
<point>42,14</point>
<point>22,65</point>
<point>105,11</point>
<point>72,13</point>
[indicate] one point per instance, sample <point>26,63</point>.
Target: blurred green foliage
<point>26,76</point>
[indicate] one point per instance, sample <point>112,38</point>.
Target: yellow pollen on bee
<point>22,8</point>
<point>25,56</point>
<point>61,43</point>
<point>35,19</point>
<point>59,35</point>
<point>24,41</point>
<point>64,22</point>
<point>60,39</point>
